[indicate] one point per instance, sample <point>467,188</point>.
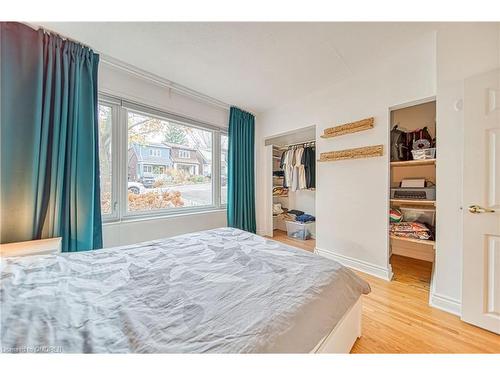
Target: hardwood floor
<point>397,317</point>
<point>281,236</point>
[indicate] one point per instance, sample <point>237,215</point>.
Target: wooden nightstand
<point>35,247</point>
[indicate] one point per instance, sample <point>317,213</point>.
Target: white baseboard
<point>445,303</point>
<point>261,232</point>
<point>359,265</point>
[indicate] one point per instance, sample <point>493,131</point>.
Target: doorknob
<point>476,209</point>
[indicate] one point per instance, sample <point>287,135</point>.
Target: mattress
<point>222,290</point>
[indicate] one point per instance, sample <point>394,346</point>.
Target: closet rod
<point>299,144</point>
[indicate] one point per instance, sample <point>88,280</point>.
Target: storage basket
<point>301,231</point>
<point>424,153</point>
<point>421,215</point>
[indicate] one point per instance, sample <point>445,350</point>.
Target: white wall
<point>129,232</point>
<point>463,50</point>
<point>352,196</point>
<point>304,200</point>
<point>121,83</point>
<point>124,84</point>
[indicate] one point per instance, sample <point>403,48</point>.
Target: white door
<point>481,198</point>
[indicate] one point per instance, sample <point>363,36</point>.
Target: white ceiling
<point>256,66</point>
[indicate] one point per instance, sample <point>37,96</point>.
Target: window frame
<point>115,114</point>
<point>155,152</point>
<point>182,154</point>
<point>225,134</point>
<point>119,155</point>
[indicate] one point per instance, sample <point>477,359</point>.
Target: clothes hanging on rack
<point>299,166</point>
<point>309,162</point>
<point>289,167</point>
<point>283,167</point>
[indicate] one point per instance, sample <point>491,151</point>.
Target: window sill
<point>161,216</point>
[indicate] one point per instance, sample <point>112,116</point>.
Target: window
<point>159,169</point>
<point>224,143</point>
<point>105,126</point>
<point>184,154</point>
<point>169,162</point>
<point>155,152</point>
<point>180,185</point>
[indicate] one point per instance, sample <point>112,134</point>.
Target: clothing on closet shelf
<point>299,167</point>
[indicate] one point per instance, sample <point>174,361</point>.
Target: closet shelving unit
<point>410,163</point>
<point>278,182</point>
<point>412,117</point>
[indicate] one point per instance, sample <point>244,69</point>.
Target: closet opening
<point>292,192</point>
<point>412,195</point>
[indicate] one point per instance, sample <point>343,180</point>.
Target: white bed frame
<point>344,334</point>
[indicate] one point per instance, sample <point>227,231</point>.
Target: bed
<point>222,290</point>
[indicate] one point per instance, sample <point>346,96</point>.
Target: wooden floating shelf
<point>353,153</point>
<point>352,127</point>
<point>414,240</point>
<point>419,202</point>
<point>411,163</point>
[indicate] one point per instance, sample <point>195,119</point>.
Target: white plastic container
<point>421,215</point>
<point>300,231</point>
<point>423,154</point>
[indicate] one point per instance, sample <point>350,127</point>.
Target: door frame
<point>268,166</point>
<point>428,99</point>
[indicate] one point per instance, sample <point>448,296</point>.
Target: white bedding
<point>222,290</point>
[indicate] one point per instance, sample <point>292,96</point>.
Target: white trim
<point>412,103</point>
<point>120,156</point>
<point>111,61</point>
<point>262,232</point>
<point>359,265</point>
<point>131,219</point>
<point>445,303</point>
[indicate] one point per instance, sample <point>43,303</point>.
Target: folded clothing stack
<point>287,216</point>
<point>414,230</point>
<point>305,218</point>
<point>278,209</point>
<point>279,191</point>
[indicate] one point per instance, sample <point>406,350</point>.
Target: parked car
<point>136,187</point>
<point>147,181</point>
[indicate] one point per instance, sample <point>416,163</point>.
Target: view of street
<point>193,194</point>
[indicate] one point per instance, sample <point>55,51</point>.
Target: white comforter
<point>222,290</point>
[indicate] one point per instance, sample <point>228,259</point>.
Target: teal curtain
<point>241,171</point>
<point>49,139</point>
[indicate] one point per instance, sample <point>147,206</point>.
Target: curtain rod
<point>48,31</point>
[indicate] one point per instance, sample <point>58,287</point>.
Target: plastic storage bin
<point>300,231</point>
<point>422,215</point>
<point>423,154</point>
